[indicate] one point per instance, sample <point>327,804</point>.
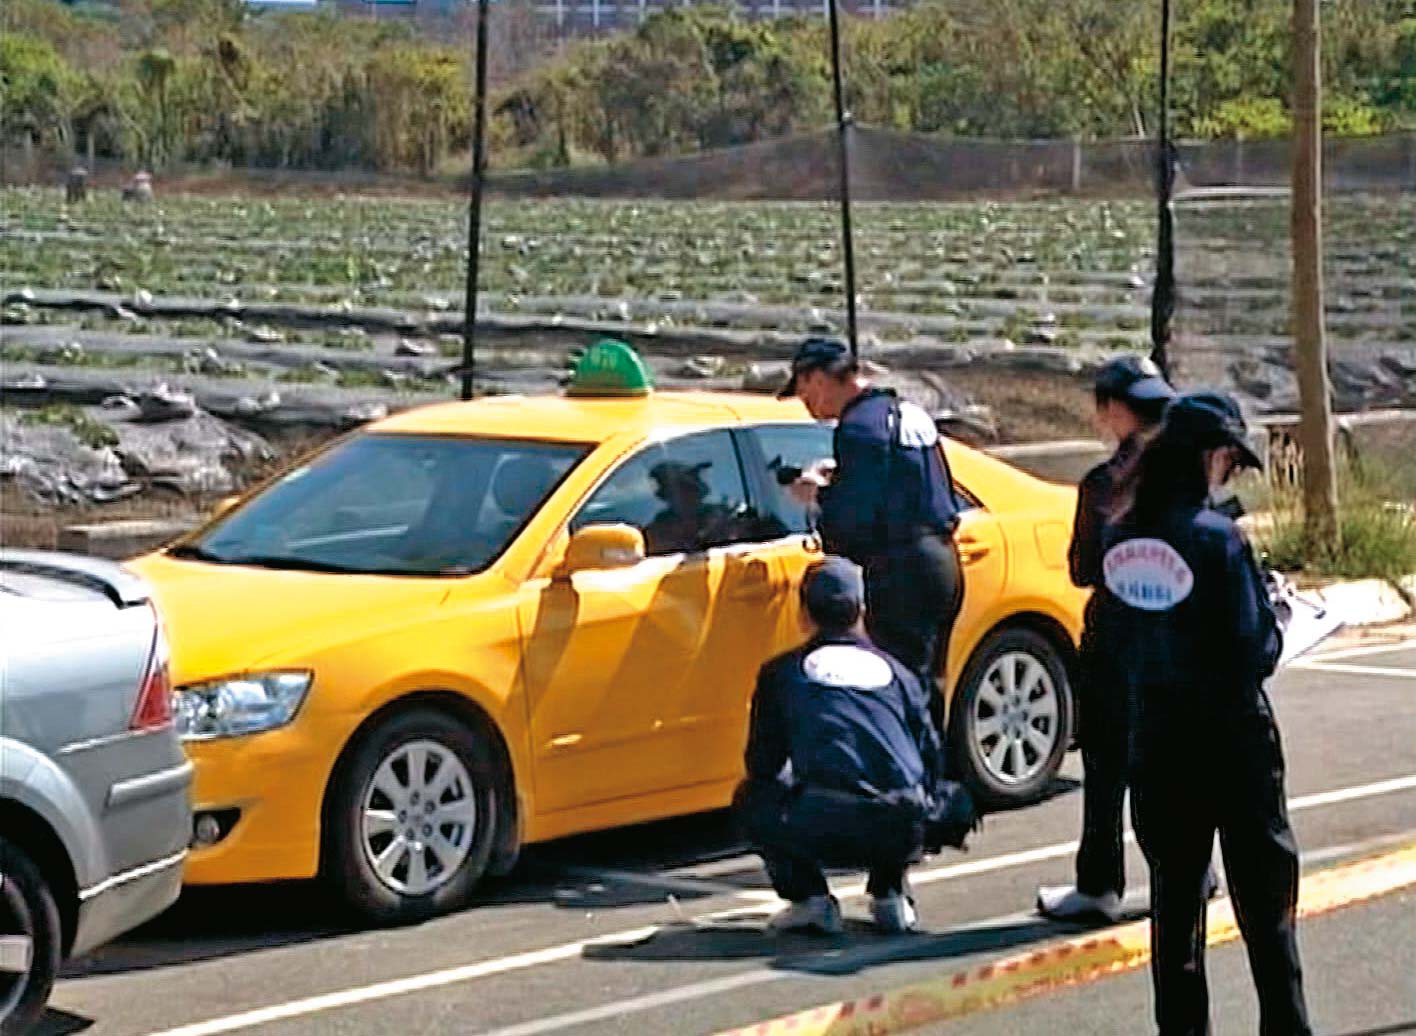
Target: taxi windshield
<point>393,505</point>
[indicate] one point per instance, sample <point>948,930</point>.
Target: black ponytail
<point>1165,472</point>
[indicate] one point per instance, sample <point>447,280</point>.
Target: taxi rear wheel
<point>411,818</point>
<point>1011,722</point>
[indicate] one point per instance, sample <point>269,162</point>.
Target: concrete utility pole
<point>1309,343</point>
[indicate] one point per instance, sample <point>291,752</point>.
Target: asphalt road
<point>658,929</point>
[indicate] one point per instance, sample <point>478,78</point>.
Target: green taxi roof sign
<point>610,368</point>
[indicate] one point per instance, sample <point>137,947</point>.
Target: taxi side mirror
<point>225,504</point>
<point>597,547</point>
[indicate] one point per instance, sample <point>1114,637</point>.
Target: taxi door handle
<point>971,551</point>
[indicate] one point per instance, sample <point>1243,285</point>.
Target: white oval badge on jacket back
<point>1148,574</point>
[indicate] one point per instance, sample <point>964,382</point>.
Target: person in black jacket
<point>1130,399</point>
<point>887,503</point>
<point>841,758</point>
<point>1196,638</point>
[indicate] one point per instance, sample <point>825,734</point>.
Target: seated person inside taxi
<point>688,522</point>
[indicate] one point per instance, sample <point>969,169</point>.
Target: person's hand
<point>804,490</point>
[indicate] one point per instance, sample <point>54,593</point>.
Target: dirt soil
<point>1028,407</point>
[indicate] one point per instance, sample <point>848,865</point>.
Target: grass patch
<point>91,432</point>
<point>1376,531</point>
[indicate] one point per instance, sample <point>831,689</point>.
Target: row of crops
<point>1063,273</point>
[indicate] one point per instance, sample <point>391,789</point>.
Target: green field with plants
<point>953,272</point>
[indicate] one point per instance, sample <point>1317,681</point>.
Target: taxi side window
<point>785,447</point>
<point>685,495</point>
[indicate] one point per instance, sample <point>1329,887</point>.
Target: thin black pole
<point>1163,293</point>
<point>474,207</point>
<point>843,128</point>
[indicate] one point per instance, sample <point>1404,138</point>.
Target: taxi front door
<point>626,670</point>
<point>607,656</point>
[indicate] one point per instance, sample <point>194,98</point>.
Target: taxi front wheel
<point>1011,721</point>
<point>411,818</point>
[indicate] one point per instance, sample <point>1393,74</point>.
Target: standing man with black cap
<point>886,502</point>
<point>1130,398</point>
<point>1201,639</point>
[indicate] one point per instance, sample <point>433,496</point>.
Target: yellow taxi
<point>474,626</point>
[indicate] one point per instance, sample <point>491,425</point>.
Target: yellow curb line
<point>1068,962</point>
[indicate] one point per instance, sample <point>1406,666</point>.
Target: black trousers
<point>799,832</point>
<point>913,593</point>
<point>1234,788</point>
<point>1102,713</point>
<point>1103,716</point>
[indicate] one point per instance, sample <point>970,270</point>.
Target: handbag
<point>950,816</point>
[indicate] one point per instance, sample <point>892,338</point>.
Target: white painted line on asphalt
<point>1356,670</point>
<point>1361,791</point>
<point>637,1004</point>
<point>875,952</point>
<point>571,950</point>
<point>399,987</point>
<point>1357,652</point>
<point>691,885</point>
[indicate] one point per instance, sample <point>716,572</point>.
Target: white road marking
<point>399,987</point>
<point>689,883</point>
<point>635,1005</point>
<point>571,950</point>
<point>1136,902</point>
<point>1358,652</point>
<point>1355,670</point>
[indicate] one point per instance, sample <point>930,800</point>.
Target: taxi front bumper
<point>264,794</point>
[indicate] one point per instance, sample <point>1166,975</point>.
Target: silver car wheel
<point>419,817</point>
<point>1015,720</point>
<point>16,946</point>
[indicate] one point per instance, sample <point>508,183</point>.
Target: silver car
<point>94,810</point>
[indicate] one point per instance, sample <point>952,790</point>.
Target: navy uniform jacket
<point>1196,635</point>
<point>846,715</point>
<point>892,485</point>
<point>1094,499</point>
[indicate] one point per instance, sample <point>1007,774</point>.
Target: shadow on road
<point>61,1023</point>
<point>858,948</point>
<point>211,923</point>
<point>607,870</point>
<point>1386,1030</point>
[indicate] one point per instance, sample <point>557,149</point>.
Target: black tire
<point>347,866</point>
<point>27,910</point>
<point>1033,770</point>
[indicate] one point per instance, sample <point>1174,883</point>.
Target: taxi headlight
<point>246,704</point>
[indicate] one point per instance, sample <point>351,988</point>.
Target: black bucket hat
<point>1207,421</point>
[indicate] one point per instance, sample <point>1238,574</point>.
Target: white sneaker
<point>819,913</point>
<point>1064,903</point>
<point>894,913</point>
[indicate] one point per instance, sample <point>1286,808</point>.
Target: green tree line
<point>161,81</point>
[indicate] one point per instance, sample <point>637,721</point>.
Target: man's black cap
<point>833,591</point>
<point>1132,377</point>
<point>1208,420</point>
<point>815,354</point>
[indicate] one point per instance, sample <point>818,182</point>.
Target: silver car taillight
<point>154,708</point>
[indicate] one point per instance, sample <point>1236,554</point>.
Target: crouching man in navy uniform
<point>841,756</point>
